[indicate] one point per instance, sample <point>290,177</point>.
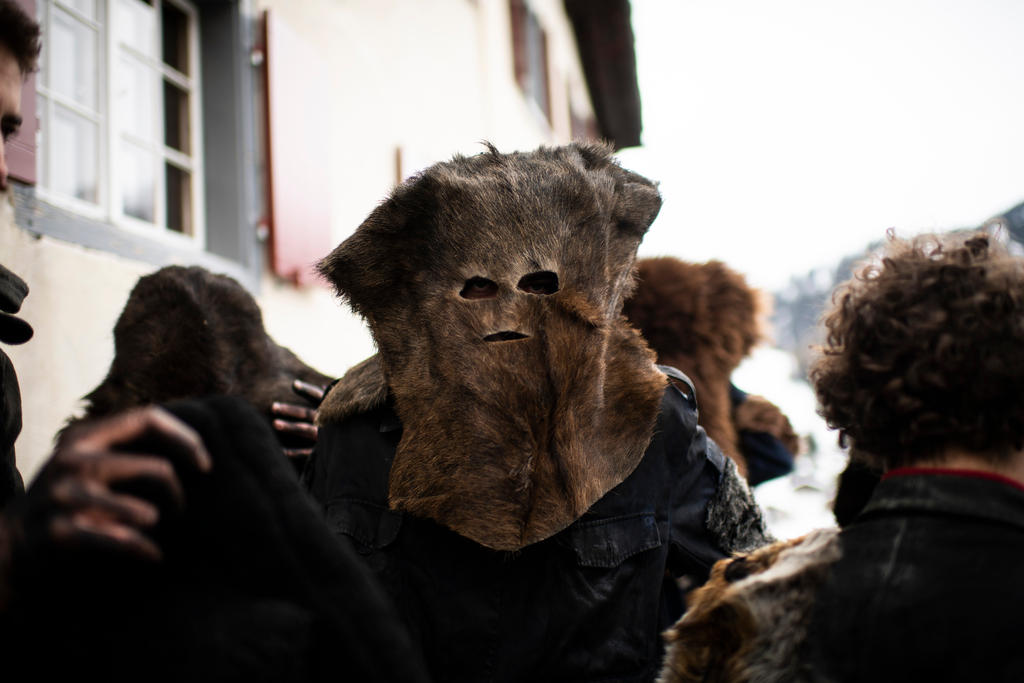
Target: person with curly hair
<point>921,372</point>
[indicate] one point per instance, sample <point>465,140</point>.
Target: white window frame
<point>46,113</point>
<point>112,130</point>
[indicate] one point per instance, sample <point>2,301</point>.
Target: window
<point>148,137</point>
<point>119,113</point>
<point>530,48</point>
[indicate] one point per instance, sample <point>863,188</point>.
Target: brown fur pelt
<point>360,389</point>
<point>186,332</point>
<point>521,408</point>
<point>747,622</point>
<point>704,319</point>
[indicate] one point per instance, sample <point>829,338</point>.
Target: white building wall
<point>75,296</point>
<point>430,78</point>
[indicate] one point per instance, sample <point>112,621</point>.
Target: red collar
<point>956,472</point>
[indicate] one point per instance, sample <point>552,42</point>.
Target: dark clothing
<point>854,487</point>
<point>587,604</point>
<point>766,456</point>
<point>252,587</point>
<point>928,584</point>
<point>11,485</point>
<point>13,330</point>
<point>13,290</point>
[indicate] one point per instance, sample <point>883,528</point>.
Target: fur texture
<point>734,517</point>
<point>360,389</point>
<point>186,332</point>
<point>520,407</point>
<point>704,319</point>
<point>748,621</point>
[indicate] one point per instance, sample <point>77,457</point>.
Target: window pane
<point>74,59</point>
<point>175,37</point>
<point>179,200</point>
<point>135,25</point>
<point>74,143</point>
<point>84,7</point>
<point>176,131</point>
<point>138,182</point>
<point>136,98</point>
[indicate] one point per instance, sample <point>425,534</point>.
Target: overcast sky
<point>789,133</point>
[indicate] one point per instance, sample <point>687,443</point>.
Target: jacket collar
<point>965,493</point>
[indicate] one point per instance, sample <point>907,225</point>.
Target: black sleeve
<point>11,485</point>
<point>713,512</point>
<point>693,549</point>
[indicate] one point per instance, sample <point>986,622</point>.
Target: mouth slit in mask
<point>505,335</point>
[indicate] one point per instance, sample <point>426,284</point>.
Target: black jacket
<point>10,426</point>
<point>587,604</point>
<point>928,586</point>
<point>13,330</point>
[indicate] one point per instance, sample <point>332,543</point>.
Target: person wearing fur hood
<point>514,467</point>
<point>704,319</point>
<point>921,373</point>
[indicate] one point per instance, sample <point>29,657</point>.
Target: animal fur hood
<point>186,332</point>
<point>704,319</point>
<point>493,286</point>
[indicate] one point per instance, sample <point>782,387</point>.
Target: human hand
<point>300,424</point>
<point>84,497</point>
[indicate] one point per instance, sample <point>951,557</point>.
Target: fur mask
<point>493,287</point>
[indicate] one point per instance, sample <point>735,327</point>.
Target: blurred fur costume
<point>186,332</point>
<point>703,318</point>
<point>253,586</point>
<point>749,621</point>
<point>519,474</point>
<point>522,409</point>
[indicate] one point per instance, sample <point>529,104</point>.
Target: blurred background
<point>251,136</point>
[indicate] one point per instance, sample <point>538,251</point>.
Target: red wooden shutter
<point>298,153</point>
<point>21,149</point>
<point>545,67</point>
<point>517,19</point>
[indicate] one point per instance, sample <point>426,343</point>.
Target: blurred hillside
<point>801,501</point>
<point>800,304</point>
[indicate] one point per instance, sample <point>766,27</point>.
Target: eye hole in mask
<point>543,282</point>
<point>479,288</point>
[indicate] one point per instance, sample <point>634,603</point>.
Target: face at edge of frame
<point>10,104</point>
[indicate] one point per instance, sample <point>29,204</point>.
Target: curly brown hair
<point>925,351</point>
<point>20,34</point>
